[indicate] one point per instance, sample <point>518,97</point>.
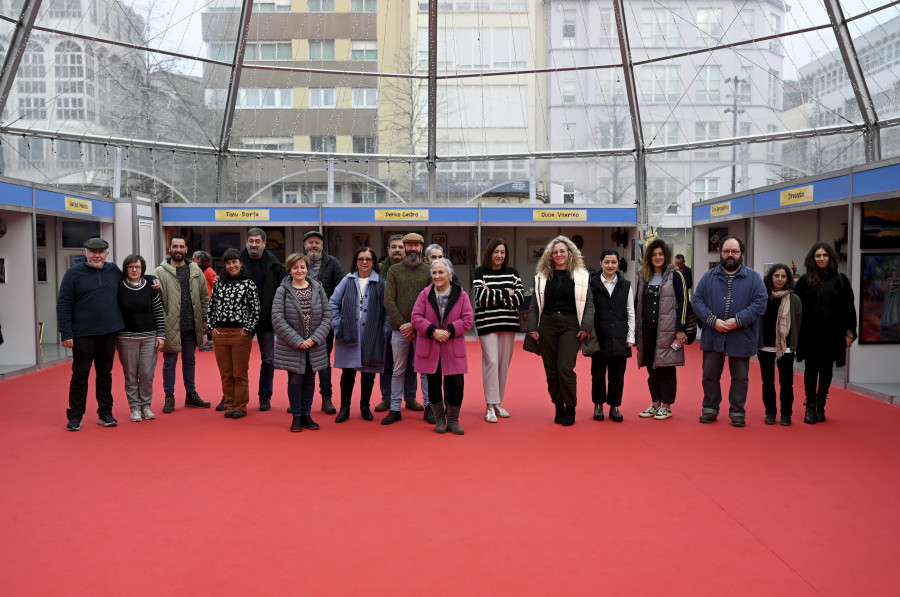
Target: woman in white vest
<point>561,315</point>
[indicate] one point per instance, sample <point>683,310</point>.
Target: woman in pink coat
<point>442,316</point>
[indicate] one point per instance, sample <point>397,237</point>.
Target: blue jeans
<point>409,383</point>
<point>404,352</point>
<point>188,362</point>
<point>301,387</point>
<point>266,341</point>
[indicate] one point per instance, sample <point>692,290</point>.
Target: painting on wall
<point>76,259</point>
<point>880,225</point>
<point>360,240</point>
<point>535,248</point>
<point>440,240</point>
<point>459,255</point>
<point>219,242</point>
<point>2,270</point>
<point>42,269</point>
<point>275,243</point>
<point>716,235</point>
<point>40,232</point>
<point>879,304</point>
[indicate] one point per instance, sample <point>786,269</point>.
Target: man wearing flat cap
<point>328,271</point>
<point>404,283</point>
<point>87,312</point>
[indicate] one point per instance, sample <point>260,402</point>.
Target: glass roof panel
<point>601,180</point>
<point>11,8</point>
<point>875,38</point>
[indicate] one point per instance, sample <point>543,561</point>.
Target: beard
<point>255,252</point>
<point>177,255</point>
<point>730,264</point>
<point>412,256</point>
<point>314,254</point>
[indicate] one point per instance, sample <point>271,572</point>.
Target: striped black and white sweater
<point>495,309</point>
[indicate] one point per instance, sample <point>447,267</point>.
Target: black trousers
<point>600,392</point>
<point>348,380</point>
<point>451,385</point>
<point>817,370</point>
<point>663,384</point>
<point>785,366</point>
<point>99,351</point>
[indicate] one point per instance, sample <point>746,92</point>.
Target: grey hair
<point>431,248</point>
<point>445,262</point>
<point>257,232</point>
<point>395,237</point>
<point>198,255</point>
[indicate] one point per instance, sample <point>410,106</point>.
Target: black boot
<point>440,419</point>
<point>365,395</point>
<point>365,411</point>
<point>453,420</point>
<point>344,413</point>
<point>569,417</point>
<point>598,412</point>
<point>560,413</point>
<point>429,416</point>
<point>810,417</point>
<point>221,406</point>
<point>820,408</point>
<point>327,406</point>
<point>297,424</point>
<point>308,423</point>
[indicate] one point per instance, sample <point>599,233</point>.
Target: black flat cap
<point>96,244</point>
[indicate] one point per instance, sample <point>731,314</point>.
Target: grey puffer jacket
<point>672,314</point>
<point>287,321</point>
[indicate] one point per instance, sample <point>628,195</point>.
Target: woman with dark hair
<point>828,327</point>
<point>301,317</point>
<point>498,293</point>
<point>779,330</point>
<point>614,324</point>
<point>144,334</point>
<point>232,317</point>
<point>660,326</point>
<point>361,328</point>
<point>442,315</point>
<point>560,317</point>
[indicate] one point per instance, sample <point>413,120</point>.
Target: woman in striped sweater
<point>498,294</point>
<point>139,342</point>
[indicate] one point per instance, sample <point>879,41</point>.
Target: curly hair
<point>647,264</point>
<point>545,264</point>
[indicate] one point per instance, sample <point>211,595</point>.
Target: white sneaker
<point>662,413</point>
<point>490,416</point>
<point>501,412</point>
<point>148,414</point>
<point>136,415</point>
<point>650,412</point>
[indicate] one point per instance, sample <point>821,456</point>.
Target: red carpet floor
<point>196,504</point>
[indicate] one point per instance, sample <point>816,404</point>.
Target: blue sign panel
<point>13,194</point>
<point>878,180</point>
<point>239,214</point>
<point>829,189</point>
<point>735,206</point>
<point>72,204</point>
<point>623,216</point>
<point>385,214</point>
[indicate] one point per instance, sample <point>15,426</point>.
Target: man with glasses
<point>730,300</point>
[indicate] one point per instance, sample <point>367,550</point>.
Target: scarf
<point>783,324</point>
<point>372,349</point>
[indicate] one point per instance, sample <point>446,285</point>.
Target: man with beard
<point>730,300</point>
<point>404,283</point>
<point>267,273</point>
<point>396,254</point>
<point>328,271</point>
<point>185,298</point>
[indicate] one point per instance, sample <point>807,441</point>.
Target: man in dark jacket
<point>730,300</point>
<point>328,271</point>
<point>88,314</point>
<point>267,273</point>
<point>686,271</point>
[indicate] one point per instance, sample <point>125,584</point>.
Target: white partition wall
<point>17,288</point>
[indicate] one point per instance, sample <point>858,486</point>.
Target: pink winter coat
<point>457,320</point>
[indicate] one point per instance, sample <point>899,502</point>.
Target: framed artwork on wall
<point>40,229</point>
<point>459,255</point>
<point>42,269</point>
<point>76,259</point>
<point>879,302</point>
<point>360,240</point>
<point>880,225</point>
<point>275,243</point>
<point>219,242</point>
<point>535,248</point>
<point>715,239</point>
<point>2,270</point>
<point>441,240</point>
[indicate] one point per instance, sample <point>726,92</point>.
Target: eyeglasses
<point>731,252</point>
<point>363,259</point>
<point>134,267</point>
<point>560,252</point>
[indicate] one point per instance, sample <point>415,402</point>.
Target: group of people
<point>408,315</point>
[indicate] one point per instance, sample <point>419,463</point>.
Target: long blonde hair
<point>545,265</point>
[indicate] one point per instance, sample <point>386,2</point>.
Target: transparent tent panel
<point>179,26</point>
<point>604,180</point>
<point>875,38</point>
<point>169,176</point>
<point>11,8</point>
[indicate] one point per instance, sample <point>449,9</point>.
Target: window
<point>568,87</point>
<point>215,98</point>
<point>705,131</point>
<point>661,133</point>
<point>268,143</point>
<point>319,193</point>
<point>746,129</point>
<point>568,140</point>
<point>610,84</point>
<point>32,65</point>
<point>321,98</point>
<point>709,85</point>
<point>264,98</point>
<point>321,49</point>
<point>568,29</point>
<point>659,27</point>
<point>469,48</point>
<point>774,29</point>
<point>32,93</point>
<point>65,9</point>
<point>363,50</point>
<point>364,195</point>
<point>746,17</point>
<point>31,152</point>
<point>365,97</point>
<point>660,83</point>
<point>69,61</point>
<point>266,6</point>
<point>607,33</point>
<point>568,193</point>
<point>74,97</point>
<point>772,146</point>
<point>268,51</point>
<point>745,89</point>
<point>68,154</point>
<point>221,51</point>
<point>320,6</point>
<point>364,145</point>
<point>774,89</point>
<point>323,144</point>
<point>709,26</point>
<point>661,192</point>
<point>364,6</point>
<point>706,188</point>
